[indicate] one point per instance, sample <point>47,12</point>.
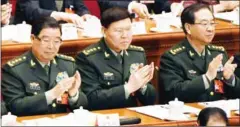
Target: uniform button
<point>211,93</point>
<point>35,93</point>
<point>53,105</point>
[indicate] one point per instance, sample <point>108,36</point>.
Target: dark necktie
<point>46,68</point>
<point>119,57</point>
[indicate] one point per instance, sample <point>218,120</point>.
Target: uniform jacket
<point>32,10</point>
<point>103,77</point>
<point>157,7</point>
<point>181,70</point>
<point>24,82</point>
<point>4,110</point>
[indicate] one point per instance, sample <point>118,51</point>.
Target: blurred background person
<point>216,5</point>
<point>6,10</point>
<point>73,11</point>
<point>212,116</point>
<point>141,7</point>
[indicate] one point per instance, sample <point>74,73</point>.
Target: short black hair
<point>209,112</point>
<point>114,14</point>
<point>187,15</point>
<point>46,22</point>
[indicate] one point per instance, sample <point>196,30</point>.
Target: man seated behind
<point>195,70</point>
<point>37,81</point>
<point>113,72</point>
<point>73,11</point>
<point>212,116</point>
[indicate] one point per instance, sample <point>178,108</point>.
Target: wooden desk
<point>145,120</point>
<point>155,44</point>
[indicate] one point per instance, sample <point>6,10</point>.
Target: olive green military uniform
<point>4,110</point>
<point>181,74</point>
<point>24,82</point>
<point>103,77</point>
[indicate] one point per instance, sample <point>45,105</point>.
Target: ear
<point>32,38</point>
<point>104,31</point>
<point>188,28</point>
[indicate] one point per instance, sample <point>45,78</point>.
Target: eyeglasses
<point>206,23</point>
<point>46,40</point>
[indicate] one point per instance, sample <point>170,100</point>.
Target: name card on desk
<point>138,28</point>
<point>69,31</point>
<point>19,33</point>
<point>108,120</point>
<point>92,28</point>
<point>232,16</point>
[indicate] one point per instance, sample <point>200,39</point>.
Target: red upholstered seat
<point>93,7</point>
<point>13,2</point>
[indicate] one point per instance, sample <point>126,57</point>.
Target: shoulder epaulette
<point>217,48</point>
<point>65,57</point>
<point>91,50</point>
<point>17,61</point>
<point>177,50</point>
<point>136,48</point>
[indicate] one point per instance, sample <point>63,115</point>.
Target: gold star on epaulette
<point>137,48</point>
<point>16,61</point>
<point>66,57</point>
<point>91,50</point>
<point>218,48</point>
<point>177,50</point>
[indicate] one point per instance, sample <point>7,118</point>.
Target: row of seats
<point>92,6</point>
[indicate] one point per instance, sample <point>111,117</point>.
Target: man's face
<point>119,35</point>
<point>46,44</point>
<point>203,30</point>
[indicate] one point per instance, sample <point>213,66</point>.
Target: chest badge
<point>61,76</point>
<point>34,86</point>
<point>108,76</point>
<point>192,72</point>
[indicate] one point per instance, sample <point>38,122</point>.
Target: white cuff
<point>130,6</point>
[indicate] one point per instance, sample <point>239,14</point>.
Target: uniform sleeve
<point>82,99</point>
<point>237,61</point>
<point>80,8</point>
<point>106,4</point>
<point>32,10</point>
<point>14,95</point>
<point>98,97</point>
<point>234,91</point>
<point>149,96</point>
<point>175,84</point>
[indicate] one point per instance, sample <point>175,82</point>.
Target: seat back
<point>93,7</point>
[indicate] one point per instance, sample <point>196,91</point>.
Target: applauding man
<point>41,81</point>
<point>114,73</point>
<point>195,70</point>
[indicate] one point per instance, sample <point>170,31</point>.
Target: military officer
<point>114,73</point>
<point>195,70</point>
<point>41,81</point>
